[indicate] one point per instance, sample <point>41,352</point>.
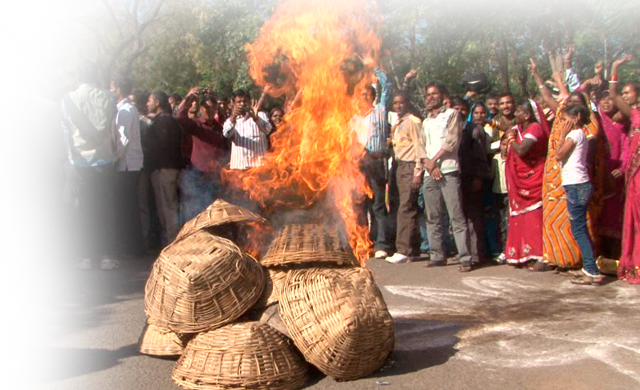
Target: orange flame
<point>312,50</point>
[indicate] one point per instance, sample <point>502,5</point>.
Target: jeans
<point>441,197</point>
<point>502,204</point>
<point>14,190</point>
<point>407,222</point>
<point>95,216</point>
<point>128,233</point>
<point>374,171</point>
<point>198,190</point>
<point>165,189</point>
<point>578,197</point>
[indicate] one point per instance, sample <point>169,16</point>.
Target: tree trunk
<point>503,64</point>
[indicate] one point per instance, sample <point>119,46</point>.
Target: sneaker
<point>381,254</point>
<point>84,264</point>
<point>398,258</point>
<point>17,274</point>
<point>109,264</point>
<point>501,259</point>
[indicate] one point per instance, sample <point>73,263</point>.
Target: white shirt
<point>574,168</point>
<point>249,144</point>
<point>127,136</point>
<point>443,132</point>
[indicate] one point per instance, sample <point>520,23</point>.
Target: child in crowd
<point>572,154</point>
<point>501,196</point>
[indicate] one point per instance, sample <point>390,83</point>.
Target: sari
<point>617,142</point>
<point>629,266</point>
<point>560,248</point>
<point>524,186</point>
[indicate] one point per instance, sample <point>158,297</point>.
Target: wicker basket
<point>271,316</point>
<point>218,213</point>
<point>201,282</point>
<point>309,244</point>
<point>275,277</point>
<point>158,341</point>
<point>338,319</point>
<point>246,355</point>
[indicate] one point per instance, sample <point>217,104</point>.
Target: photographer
<point>200,180</point>
<point>15,157</point>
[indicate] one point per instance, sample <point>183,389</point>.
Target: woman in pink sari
<point>528,142</point>
<point>629,266</point>
<point>615,128</point>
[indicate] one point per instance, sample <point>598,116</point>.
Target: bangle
<point>613,79</point>
<point>541,86</point>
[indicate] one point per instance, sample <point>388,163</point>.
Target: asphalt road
<point>493,328</point>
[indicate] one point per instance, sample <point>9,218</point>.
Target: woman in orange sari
<point>560,250</point>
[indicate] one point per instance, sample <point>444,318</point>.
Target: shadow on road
<point>49,307</point>
<point>420,344</point>
<point>73,362</point>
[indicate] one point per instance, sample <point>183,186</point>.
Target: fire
<point>312,50</point>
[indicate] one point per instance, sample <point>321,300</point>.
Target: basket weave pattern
<point>338,319</point>
<point>301,244</point>
<point>218,213</point>
<point>158,341</point>
<point>275,278</point>
<point>237,356</point>
<point>201,282</point>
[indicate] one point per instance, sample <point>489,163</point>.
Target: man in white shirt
<point>442,194</point>
<point>248,131</point>
<point>128,163</point>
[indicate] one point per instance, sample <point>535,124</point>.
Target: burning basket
<point>218,213</point>
<point>309,244</point>
<point>201,282</point>
<point>338,319</point>
<point>248,355</point>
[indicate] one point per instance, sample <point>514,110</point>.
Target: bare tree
<point>116,29</point>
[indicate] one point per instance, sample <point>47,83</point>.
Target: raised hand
<point>533,67</point>
<point>411,75</point>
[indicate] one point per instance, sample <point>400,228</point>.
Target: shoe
<point>398,258</point>
<point>501,259</point>
<point>17,274</point>
<point>381,254</point>
<point>109,264</point>
<point>84,264</point>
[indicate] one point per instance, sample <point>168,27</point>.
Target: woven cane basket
<point>218,213</point>
<point>157,341</point>
<point>246,355</point>
<point>338,319</point>
<point>273,283</point>
<point>200,283</point>
<point>308,244</point>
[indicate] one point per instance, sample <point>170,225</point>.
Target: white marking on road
<point>580,324</point>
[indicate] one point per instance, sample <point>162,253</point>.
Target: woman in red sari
<point>528,142</point>
<point>629,266</point>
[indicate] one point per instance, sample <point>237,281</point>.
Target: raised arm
<point>613,90</point>
<point>544,90</point>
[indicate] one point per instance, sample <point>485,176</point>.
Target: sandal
<point>464,268</point>
<point>589,280</point>
<point>576,273</point>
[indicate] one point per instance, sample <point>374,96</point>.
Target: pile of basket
<point>240,323</point>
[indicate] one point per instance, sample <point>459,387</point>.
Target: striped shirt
<point>248,143</point>
<point>372,129</point>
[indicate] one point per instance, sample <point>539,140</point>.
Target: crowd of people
<point>547,182</point>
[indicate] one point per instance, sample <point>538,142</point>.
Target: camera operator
<point>15,156</point>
